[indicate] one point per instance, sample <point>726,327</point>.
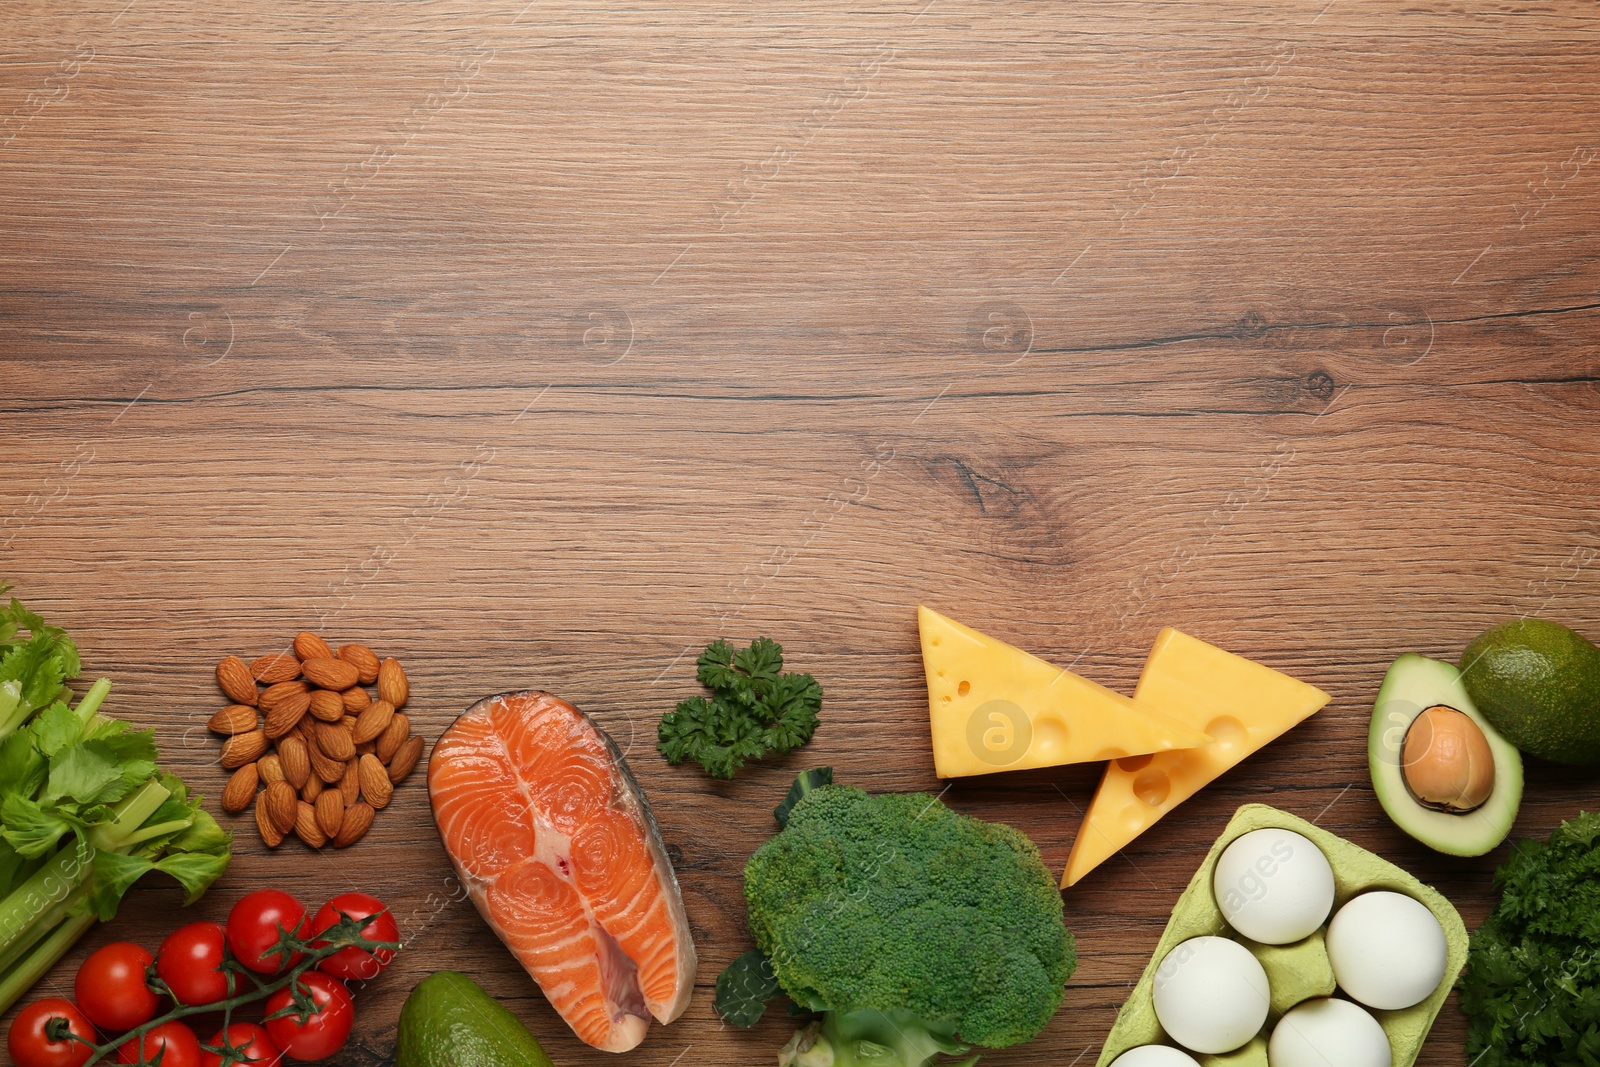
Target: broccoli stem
<point>868,1038</point>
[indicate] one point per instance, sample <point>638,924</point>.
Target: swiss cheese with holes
<point>993,707</point>
<point>1239,704</point>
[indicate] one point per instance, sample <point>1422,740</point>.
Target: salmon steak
<point>557,848</point>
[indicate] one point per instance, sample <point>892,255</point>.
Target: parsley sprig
<point>755,709</point>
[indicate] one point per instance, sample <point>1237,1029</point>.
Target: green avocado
<point>1539,683</point>
<point>449,1021</point>
<point>1413,685</point>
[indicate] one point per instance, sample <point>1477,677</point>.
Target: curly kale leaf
<point>1531,988</point>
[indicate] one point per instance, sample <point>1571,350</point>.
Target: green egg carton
<point>1299,971</point>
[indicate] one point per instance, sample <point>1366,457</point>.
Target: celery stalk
<point>46,952</point>
<point>47,898</point>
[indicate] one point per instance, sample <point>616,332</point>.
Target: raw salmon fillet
<point>555,843</point>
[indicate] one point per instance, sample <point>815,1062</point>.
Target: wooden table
<point>539,345</point>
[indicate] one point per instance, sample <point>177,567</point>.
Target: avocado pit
<point>1447,762</point>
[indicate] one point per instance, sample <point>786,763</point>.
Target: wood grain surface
<point>538,345</point>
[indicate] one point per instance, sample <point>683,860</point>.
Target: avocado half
<point>1539,683</point>
<point>1415,683</point>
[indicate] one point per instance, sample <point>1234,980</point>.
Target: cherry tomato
<point>174,1042</point>
<point>247,1040</point>
<point>110,987</point>
<point>256,923</point>
<point>30,1046</point>
<point>188,962</point>
<point>353,963</point>
<point>325,1031</point>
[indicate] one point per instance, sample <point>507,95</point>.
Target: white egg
<point>1273,886</point>
<point>1211,995</point>
<point>1328,1033</point>
<point>1154,1056</point>
<point>1388,950</point>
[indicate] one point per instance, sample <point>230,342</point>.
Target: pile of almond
<point>327,755</point>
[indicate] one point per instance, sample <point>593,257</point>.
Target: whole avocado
<point>449,1021</point>
<point>1538,682</point>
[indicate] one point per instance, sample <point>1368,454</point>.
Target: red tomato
<point>325,1031</point>
<point>248,1041</point>
<point>174,1042</point>
<point>30,1046</point>
<point>110,987</point>
<point>255,925</point>
<point>353,963</point>
<point>188,960</point>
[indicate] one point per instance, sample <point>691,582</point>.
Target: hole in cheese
<point>1135,763</point>
<point>963,689</point>
<point>1227,733</point>
<point>1152,787</point>
<point>1049,733</point>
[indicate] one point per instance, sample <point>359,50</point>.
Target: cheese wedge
<point>993,707</point>
<point>1241,705</point>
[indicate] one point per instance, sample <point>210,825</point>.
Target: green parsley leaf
<point>755,710</point>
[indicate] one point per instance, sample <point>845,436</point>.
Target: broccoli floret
<point>914,929</point>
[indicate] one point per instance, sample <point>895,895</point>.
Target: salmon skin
<point>555,844</point>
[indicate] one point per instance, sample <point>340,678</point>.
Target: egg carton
<point>1299,971</point>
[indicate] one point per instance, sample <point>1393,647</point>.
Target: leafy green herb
<point>755,710</point>
<point>744,987</point>
<point>84,811</point>
<point>1531,988</point>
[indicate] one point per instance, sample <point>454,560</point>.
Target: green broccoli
<point>914,930</point>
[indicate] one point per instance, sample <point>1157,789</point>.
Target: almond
<point>306,827</point>
<point>375,784</point>
<point>274,668</point>
<point>241,789</point>
<point>334,741</point>
<point>243,748</point>
<point>286,714</point>
<point>405,758</point>
<point>268,829</point>
<point>363,659</point>
<point>366,748</point>
<point>233,719</point>
<point>330,811</point>
<point>373,722</point>
<point>296,761</point>
<point>270,769</point>
<point>329,770</point>
<point>355,699</point>
<point>282,805</point>
<point>308,645</point>
<point>234,677</point>
<point>399,729</point>
<point>392,684</point>
<point>330,673</point>
<point>350,784</point>
<point>327,706</point>
<point>312,789</point>
<point>272,694</point>
<point>356,822</point>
